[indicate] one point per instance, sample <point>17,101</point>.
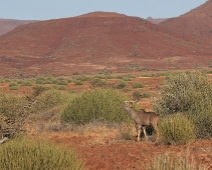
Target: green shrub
<point>20,81</point>
<point>137,85</point>
<point>126,89</point>
<point>82,78</point>
<point>121,84</point>
<point>13,84</point>
<point>27,83</point>
<point>14,88</point>
<point>78,82</point>
<point>146,95</point>
<point>62,82</point>
<point>49,99</point>
<point>203,124</point>
<point>189,93</point>
<point>28,154</point>
<point>61,88</point>
<point>104,104</point>
<point>126,78</point>
<point>176,129</point>
<point>97,82</point>
<point>11,105</point>
<point>39,81</point>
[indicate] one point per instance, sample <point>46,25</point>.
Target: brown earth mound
<point>196,22</point>
<point>91,44</point>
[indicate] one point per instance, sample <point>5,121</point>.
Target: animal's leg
<point>139,132</point>
<point>157,131</point>
<point>136,127</point>
<point>144,130</point>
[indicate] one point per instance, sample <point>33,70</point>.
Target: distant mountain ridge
<point>156,20</point>
<point>7,25</point>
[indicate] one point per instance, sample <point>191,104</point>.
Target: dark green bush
<point>176,129</point>
<point>104,104</point>
<point>28,154</point>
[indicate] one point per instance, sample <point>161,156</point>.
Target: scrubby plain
<point>98,140</point>
<point>63,84</point>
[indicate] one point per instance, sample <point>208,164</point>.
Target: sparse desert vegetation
<point>96,111</point>
<point>64,82</point>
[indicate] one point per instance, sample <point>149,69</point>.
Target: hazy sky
<point>52,9</point>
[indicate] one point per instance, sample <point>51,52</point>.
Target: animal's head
<point>128,105</point>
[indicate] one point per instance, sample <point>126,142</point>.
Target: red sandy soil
<point>98,42</point>
<point>196,22</point>
<point>107,152</point>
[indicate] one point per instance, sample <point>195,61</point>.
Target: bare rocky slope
<point>196,22</point>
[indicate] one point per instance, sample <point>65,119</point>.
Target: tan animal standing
<point>142,119</point>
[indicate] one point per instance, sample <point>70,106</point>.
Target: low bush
<point>27,154</point>
<point>14,88</point>
<point>121,85</point>
<point>146,95</point>
<point>104,104</point>
<point>188,93</point>
<point>78,82</point>
<point>13,84</point>
<point>27,83</point>
<point>137,85</point>
<point>203,124</point>
<point>176,129</point>
<point>11,105</point>
<point>49,99</point>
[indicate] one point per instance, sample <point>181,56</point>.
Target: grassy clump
<point>104,104</point>
<point>173,162</point>
<point>28,154</point>
<point>176,129</point>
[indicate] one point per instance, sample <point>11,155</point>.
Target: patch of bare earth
<point>102,149</point>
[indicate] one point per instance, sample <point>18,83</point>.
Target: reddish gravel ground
<point>123,154</point>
